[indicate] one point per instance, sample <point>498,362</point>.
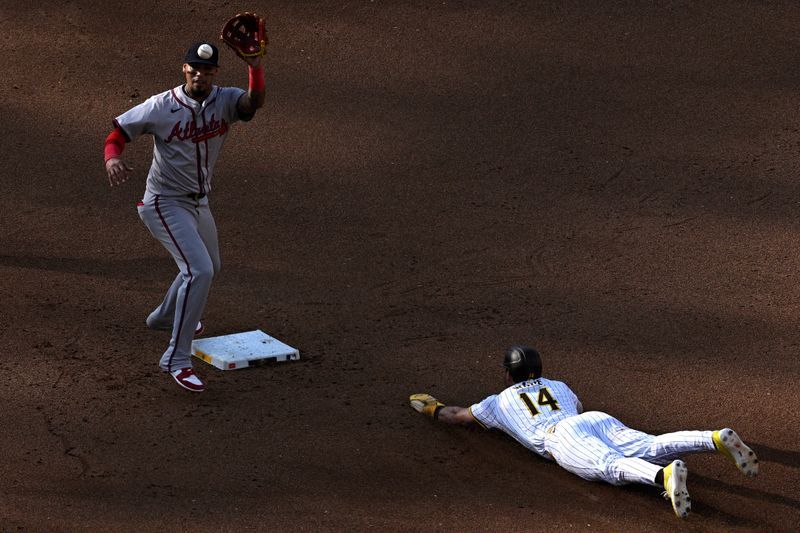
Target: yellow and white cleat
<point>675,475</point>
<point>731,446</point>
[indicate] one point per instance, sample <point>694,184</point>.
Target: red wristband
<point>257,79</point>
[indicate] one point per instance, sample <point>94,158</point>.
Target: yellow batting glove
<point>426,404</point>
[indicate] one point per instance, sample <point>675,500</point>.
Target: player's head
<point>200,65</point>
<point>202,53</point>
<point>522,362</point>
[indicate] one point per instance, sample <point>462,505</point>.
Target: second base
<point>242,350</point>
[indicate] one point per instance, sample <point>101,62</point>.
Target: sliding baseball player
<point>546,417</point>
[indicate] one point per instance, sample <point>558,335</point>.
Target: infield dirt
<point>428,183</point>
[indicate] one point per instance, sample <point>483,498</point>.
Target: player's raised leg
<point>163,316</point>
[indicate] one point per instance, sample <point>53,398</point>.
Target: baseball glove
<point>426,404</point>
<point>246,35</point>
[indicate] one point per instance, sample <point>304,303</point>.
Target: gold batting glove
<point>426,404</point>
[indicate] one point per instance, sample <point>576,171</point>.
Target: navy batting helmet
<point>523,362</point>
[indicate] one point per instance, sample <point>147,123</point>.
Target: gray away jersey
<point>187,135</point>
<point>526,411</point>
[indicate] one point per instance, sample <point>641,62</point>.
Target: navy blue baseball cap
<point>202,53</point>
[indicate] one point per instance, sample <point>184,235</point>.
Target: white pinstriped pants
<point>598,447</point>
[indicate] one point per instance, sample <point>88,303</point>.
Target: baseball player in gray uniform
<point>546,417</point>
<point>189,125</point>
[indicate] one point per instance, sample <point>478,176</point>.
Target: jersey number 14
<point>544,399</point>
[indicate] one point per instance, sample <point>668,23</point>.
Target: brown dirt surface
<point>614,182</point>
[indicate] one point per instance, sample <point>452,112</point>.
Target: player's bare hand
<point>118,172</point>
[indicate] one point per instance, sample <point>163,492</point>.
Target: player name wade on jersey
<point>212,128</point>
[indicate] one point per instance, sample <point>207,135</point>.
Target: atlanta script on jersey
<point>187,135</point>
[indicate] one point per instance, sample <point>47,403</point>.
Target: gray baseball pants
<point>186,228</point>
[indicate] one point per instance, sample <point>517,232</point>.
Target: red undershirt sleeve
<point>115,144</point>
<point>256,79</point>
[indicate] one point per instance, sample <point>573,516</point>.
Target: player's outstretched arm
<point>253,99</point>
<point>433,408</point>
<point>453,414</point>
<point>246,34</point>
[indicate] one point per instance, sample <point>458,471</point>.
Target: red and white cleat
<point>186,378</point>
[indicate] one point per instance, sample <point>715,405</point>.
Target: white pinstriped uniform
<point>544,416</point>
